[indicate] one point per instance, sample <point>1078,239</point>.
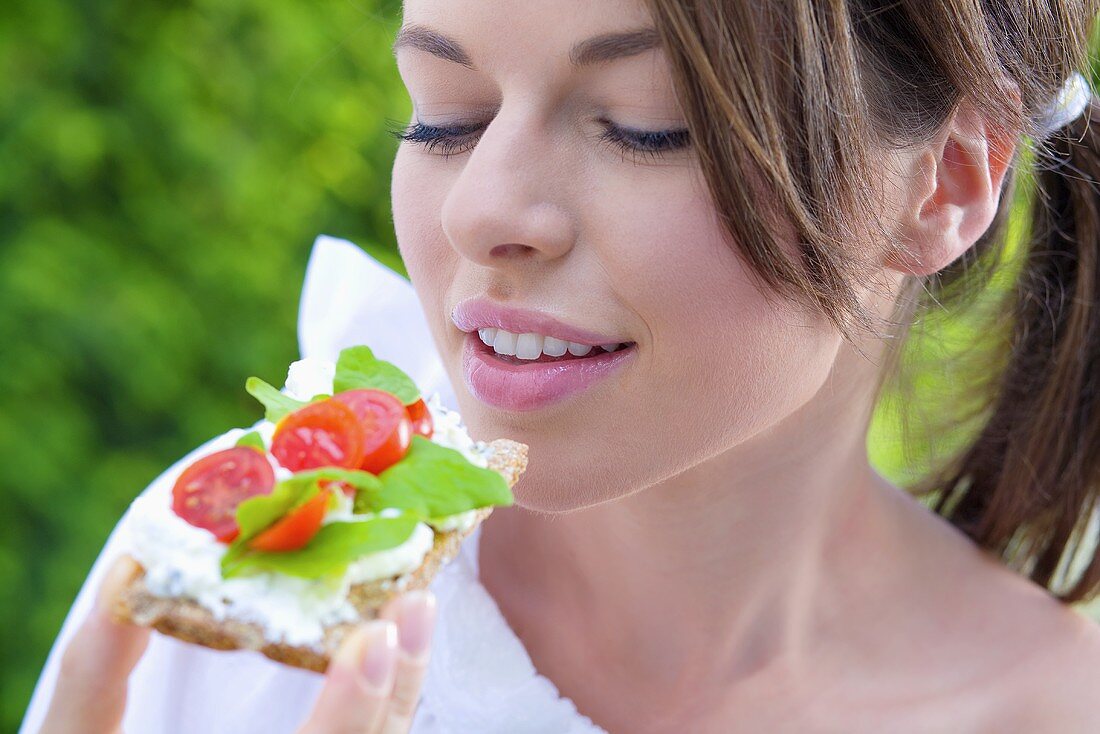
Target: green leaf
<point>358,368</point>
<point>258,513</point>
<point>276,404</point>
<point>329,552</point>
<point>252,439</point>
<point>361,480</point>
<point>435,481</point>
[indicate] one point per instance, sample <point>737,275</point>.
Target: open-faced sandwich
<point>281,539</point>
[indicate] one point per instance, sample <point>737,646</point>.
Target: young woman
<point>730,213</point>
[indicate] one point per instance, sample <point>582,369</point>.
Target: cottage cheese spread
<point>183,560</point>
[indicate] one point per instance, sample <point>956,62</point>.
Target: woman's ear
<point>954,192</point>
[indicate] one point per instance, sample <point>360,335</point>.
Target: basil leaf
<point>330,551</point>
<point>276,404</point>
<point>253,440</point>
<point>357,367</point>
<point>360,480</point>
<point>258,513</point>
<point>435,481</point>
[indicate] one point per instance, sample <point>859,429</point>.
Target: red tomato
<point>421,418</point>
<point>387,426</point>
<point>295,529</point>
<point>324,433</point>
<point>207,493</point>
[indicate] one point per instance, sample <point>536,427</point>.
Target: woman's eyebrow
<point>595,50</point>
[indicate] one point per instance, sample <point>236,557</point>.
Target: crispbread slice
<point>188,620</point>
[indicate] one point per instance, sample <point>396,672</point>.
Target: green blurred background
<point>164,168</point>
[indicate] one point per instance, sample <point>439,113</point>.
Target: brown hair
<point>797,95</point>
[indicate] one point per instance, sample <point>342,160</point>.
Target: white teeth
<point>505,343</point>
<point>554,347</point>
<point>529,346</point>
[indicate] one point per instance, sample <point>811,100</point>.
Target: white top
<point>480,677</point>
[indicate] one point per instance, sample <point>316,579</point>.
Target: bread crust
<point>188,620</point>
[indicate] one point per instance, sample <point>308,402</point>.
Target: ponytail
<point>1027,487</point>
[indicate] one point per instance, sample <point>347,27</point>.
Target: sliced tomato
<point>325,433</point>
<point>207,493</point>
<point>386,423</point>
<point>421,418</point>
<point>296,528</point>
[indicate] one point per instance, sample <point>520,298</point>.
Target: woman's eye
<point>645,143</point>
<point>447,141</point>
<point>454,139</point>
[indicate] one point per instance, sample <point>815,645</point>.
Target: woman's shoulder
<point>1002,653</point>
<point>1034,662</point>
<point>1056,686</point>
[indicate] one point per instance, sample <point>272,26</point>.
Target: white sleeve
<point>348,298</point>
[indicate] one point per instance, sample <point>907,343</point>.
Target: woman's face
<point>535,208</point>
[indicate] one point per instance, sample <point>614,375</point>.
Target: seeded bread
<point>187,620</point>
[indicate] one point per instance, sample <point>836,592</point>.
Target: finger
<point>359,681</point>
<point>414,613</point>
<point>90,695</point>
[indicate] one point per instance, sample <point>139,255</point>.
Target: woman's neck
<point>736,566</point>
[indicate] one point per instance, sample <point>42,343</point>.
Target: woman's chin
<point>551,503</point>
<point>553,489</point>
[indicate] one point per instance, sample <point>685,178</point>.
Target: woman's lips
<point>511,384</point>
<point>475,313</point>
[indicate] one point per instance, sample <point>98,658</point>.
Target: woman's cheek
<point>724,361</point>
<point>412,195</point>
<point>417,193</point>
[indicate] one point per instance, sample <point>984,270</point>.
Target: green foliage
<point>166,167</point>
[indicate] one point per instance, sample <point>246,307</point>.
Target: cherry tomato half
<point>386,423</point>
<point>296,528</point>
<point>325,433</point>
<point>207,493</point>
<point>421,418</point>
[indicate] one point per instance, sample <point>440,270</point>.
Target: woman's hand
<point>375,677</point>
<point>372,685</point>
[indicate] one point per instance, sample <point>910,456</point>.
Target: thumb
<point>90,694</point>
<point>359,682</point>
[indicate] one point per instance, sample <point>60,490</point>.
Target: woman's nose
<point>508,203</point>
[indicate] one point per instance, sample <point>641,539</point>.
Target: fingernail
<point>379,653</point>
<point>120,573</point>
<point>415,621</point>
